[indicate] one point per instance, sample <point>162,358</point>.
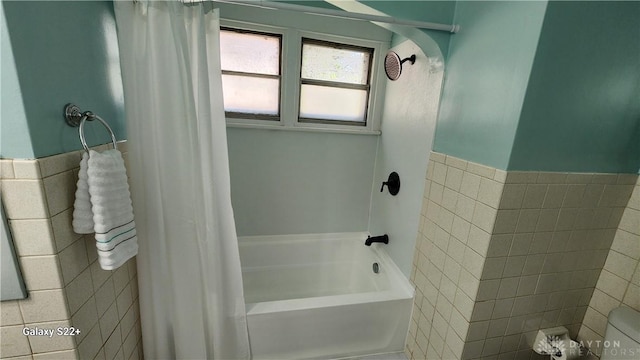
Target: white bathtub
<point>317,297</point>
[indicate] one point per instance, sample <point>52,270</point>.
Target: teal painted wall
<point>14,132</point>
<point>582,107</point>
<point>64,51</point>
<point>486,77</point>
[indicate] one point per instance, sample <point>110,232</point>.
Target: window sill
<point>304,127</point>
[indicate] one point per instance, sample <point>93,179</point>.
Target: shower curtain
<point>191,298</point>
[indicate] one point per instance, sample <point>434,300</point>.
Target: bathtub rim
<point>246,240</point>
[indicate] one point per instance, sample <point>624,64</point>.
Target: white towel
<point>82,213</point>
<point>113,221</point>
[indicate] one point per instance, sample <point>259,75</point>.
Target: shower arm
<point>411,58</point>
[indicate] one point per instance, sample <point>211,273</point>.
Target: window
<point>334,82</point>
<point>250,64</point>
<point>288,78</point>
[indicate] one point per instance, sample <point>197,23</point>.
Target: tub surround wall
<point>289,182</point>
<point>65,284</point>
<point>503,254</point>
<point>408,134</point>
<point>619,281</point>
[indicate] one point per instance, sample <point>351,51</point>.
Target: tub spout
<point>381,239</point>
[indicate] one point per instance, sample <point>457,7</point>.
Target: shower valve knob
<point>392,183</point>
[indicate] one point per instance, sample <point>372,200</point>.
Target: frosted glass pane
<point>323,102</point>
<point>331,64</point>
<point>248,52</point>
<point>252,95</point>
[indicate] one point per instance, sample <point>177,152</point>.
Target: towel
<point>82,213</point>
<point>112,213</point>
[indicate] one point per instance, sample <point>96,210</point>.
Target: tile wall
<point>458,214</point>
<point>619,281</point>
<point>65,283</point>
<point>502,254</point>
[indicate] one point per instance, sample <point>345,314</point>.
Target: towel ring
<point>77,118</point>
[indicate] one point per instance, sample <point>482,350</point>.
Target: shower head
<point>393,64</point>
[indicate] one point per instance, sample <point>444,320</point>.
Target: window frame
<point>337,84</point>
<point>290,82</point>
<point>261,117</point>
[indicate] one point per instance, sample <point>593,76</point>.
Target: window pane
<point>251,95</point>
<point>249,52</point>
<point>324,102</point>
<point>320,62</point>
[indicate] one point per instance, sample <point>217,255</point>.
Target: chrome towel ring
<point>76,118</point>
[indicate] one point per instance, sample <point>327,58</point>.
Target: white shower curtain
<point>191,297</point>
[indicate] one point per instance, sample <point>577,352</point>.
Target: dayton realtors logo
<point>611,348</point>
<point>551,345</point>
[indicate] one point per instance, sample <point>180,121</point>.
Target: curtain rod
<point>344,14</point>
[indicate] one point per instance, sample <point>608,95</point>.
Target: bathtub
<point>317,297</point>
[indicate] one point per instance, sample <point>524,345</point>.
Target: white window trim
<point>290,82</point>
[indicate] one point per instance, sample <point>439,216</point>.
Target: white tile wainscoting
<point>619,282</point>
<point>65,284</point>
<point>502,254</point>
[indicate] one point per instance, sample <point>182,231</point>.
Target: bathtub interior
<point>317,297</point>
<point>308,266</point>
